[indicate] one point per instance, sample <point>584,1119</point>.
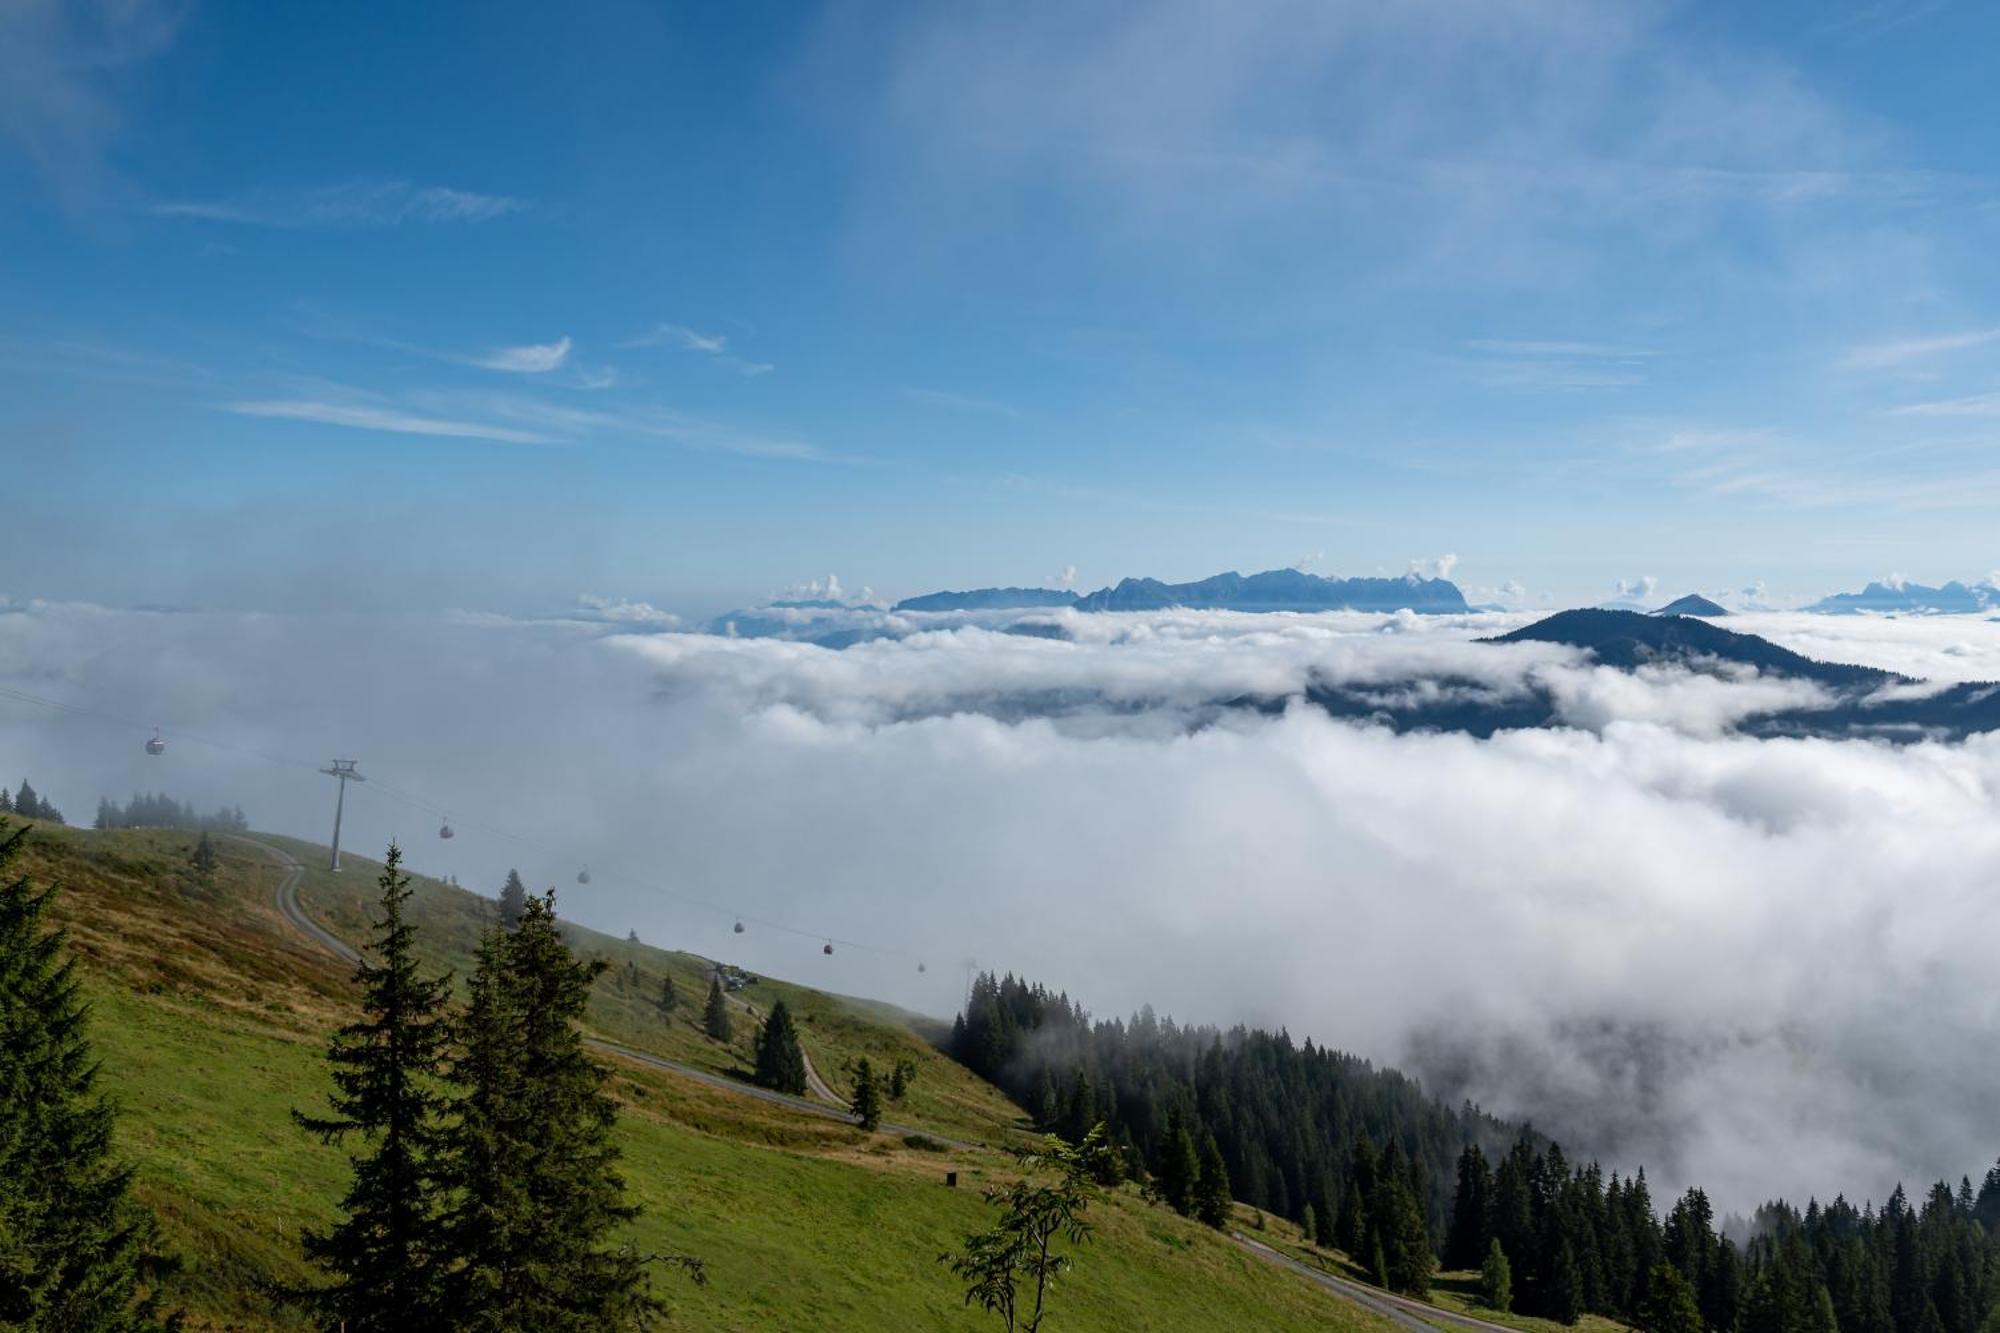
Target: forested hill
<point>1284,1115</point>
<point>1365,1160</point>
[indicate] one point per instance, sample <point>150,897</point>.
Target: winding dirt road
<point>817,1085</point>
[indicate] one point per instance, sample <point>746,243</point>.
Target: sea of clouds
<point>1764,966</point>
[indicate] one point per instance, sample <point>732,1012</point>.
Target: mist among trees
<point>1370,1165</point>
<point>158,810</point>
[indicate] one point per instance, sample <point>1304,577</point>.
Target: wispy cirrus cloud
<point>1974,405</point>
<point>650,423</point>
<point>531,359</point>
<point>1537,347</point>
<point>962,402</point>
<point>715,346</point>
<point>679,335</point>
<point>1907,351</point>
<point>353,204</point>
<point>1559,364</point>
<point>507,418</point>
<point>539,359</point>
<point>361,416</point>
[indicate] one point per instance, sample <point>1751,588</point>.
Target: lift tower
<point>342,769</point>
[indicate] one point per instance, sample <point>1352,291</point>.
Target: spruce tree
<point>385,1253</point>
<point>780,1064</point>
<point>204,861</point>
<point>1180,1165</point>
<point>867,1102</point>
<point>1309,1225</point>
<point>669,998</point>
<point>26,803</point>
<point>1670,1305</point>
<point>715,1016</point>
<point>531,1161</point>
<point>513,900</point>
<point>76,1252</point>
<point>1399,1224</point>
<point>1047,1107</point>
<point>1565,1295</point>
<point>1471,1211</point>
<point>1323,1232</point>
<point>1721,1291</point>
<point>1496,1279</point>
<point>1351,1233</point>
<point>1212,1185</point>
<point>1080,1110</point>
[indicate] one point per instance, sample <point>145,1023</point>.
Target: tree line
<point>1369,1164</point>
<point>28,803</point>
<point>1575,1242</point>
<point>158,810</point>
<point>1283,1116</point>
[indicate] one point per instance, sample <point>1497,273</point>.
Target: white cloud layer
<point>1763,966</point>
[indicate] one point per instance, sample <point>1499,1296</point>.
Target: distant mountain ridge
<point>1911,599</point>
<point>989,599</point>
<point>1272,590</point>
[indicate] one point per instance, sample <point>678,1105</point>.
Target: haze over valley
<point>1179,665</point>
<point>1774,1005</point>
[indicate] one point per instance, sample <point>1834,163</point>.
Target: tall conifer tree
<point>1496,1279</point>
<point>76,1252</point>
<point>531,1160</point>
<point>385,1252</point>
<point>781,1065</point>
<point>1212,1185</point>
<point>715,1014</point>
<point>867,1101</point>
<point>1471,1211</point>
<point>513,899</point>
<point>1180,1165</point>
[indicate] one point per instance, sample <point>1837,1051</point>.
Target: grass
<point>834,1030</point>
<point>210,1018</point>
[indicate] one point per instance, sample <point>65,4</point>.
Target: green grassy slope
<point>833,1030</point>
<point>211,1015</point>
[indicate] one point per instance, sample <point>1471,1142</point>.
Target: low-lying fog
<point>1762,966</point>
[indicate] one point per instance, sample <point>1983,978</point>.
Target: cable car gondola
<point>156,745</point>
<point>920,967</point>
<point>583,876</point>
<point>444,829</point>
<point>827,947</point>
<point>739,927</point>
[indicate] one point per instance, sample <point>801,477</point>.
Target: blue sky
<point>348,306</point>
